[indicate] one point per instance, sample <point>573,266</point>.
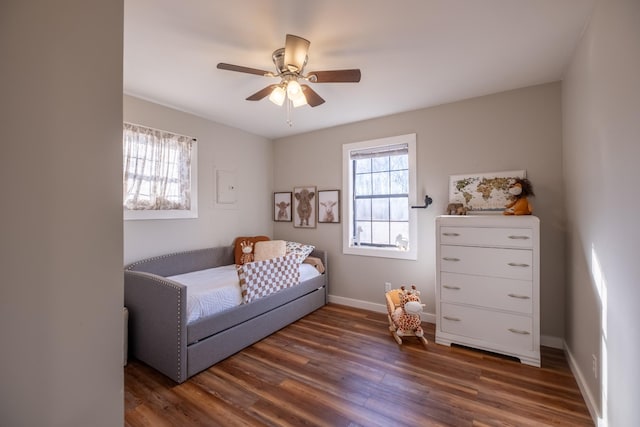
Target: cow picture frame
<point>329,206</point>
<point>304,206</point>
<point>282,206</point>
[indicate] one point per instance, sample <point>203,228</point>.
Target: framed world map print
<point>482,192</point>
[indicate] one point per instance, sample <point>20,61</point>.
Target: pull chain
<point>289,112</point>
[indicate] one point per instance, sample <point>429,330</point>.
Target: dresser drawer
<point>503,329</point>
<point>508,263</point>
<point>484,236</point>
<point>491,292</point>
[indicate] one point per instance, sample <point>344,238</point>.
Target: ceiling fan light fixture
<point>299,100</point>
<point>293,89</point>
<point>295,53</point>
<point>278,96</point>
<point>295,94</point>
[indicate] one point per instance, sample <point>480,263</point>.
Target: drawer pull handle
<point>516,264</point>
<point>455,288</point>
<point>519,237</point>
<point>455,319</point>
<point>518,296</point>
<point>450,259</point>
<point>451,234</point>
<point>518,331</point>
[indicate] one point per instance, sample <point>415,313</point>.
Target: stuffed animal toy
<point>247,252</point>
<point>404,318</point>
<point>520,189</point>
<point>456,209</point>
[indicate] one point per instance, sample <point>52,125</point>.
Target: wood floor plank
<point>339,366</point>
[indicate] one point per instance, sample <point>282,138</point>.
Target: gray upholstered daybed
<point>158,331</point>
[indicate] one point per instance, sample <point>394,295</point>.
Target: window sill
<point>380,252</point>
<point>158,214</point>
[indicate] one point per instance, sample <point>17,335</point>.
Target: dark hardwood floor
<point>339,366</point>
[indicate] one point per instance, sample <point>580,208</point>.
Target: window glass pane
<point>398,228</point>
<point>380,182</point>
<point>399,162</point>
<point>362,165</point>
<point>363,209</point>
<point>145,190</point>
<point>157,169</point>
<point>364,228</point>
<point>381,188</point>
<point>173,191</point>
<point>380,233</point>
<point>379,164</point>
<point>380,209</point>
<point>399,182</point>
<point>363,185</point>
<point>399,209</point>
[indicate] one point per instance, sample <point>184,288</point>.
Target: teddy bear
<point>247,252</point>
<point>519,189</point>
<point>405,318</point>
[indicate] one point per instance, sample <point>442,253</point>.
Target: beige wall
<point>61,293</point>
<point>519,129</point>
<point>219,147</point>
<point>601,119</point>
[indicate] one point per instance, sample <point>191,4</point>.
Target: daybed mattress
<point>214,290</point>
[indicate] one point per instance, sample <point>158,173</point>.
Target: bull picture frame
<point>304,206</point>
<point>282,206</point>
<point>329,206</point>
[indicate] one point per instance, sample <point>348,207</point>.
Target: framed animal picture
<point>282,207</point>
<point>329,206</point>
<point>304,206</point>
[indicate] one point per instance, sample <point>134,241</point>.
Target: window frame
<point>348,207</point>
<point>153,214</point>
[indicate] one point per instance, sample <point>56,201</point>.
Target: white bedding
<point>217,289</point>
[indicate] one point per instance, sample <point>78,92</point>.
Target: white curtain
<point>156,169</point>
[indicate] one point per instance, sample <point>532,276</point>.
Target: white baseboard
<point>582,385</point>
<point>371,306</point>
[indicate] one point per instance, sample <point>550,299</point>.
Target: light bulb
<point>277,96</point>
<point>293,89</point>
<point>296,94</point>
<point>299,100</point>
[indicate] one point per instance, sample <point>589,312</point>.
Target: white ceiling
<point>412,53</point>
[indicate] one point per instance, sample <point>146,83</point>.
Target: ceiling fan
<point>290,62</point>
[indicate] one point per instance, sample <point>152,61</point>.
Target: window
<point>379,178</point>
<point>159,174</point>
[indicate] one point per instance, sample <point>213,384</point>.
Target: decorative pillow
<point>316,262</point>
<point>302,251</point>
<point>269,249</point>
<point>261,278</point>
<point>237,250</point>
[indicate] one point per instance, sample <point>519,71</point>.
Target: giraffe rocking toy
<point>404,308</point>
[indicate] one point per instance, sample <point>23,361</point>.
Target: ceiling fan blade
<point>240,69</point>
<point>313,99</point>
<point>335,76</point>
<point>295,52</point>
<point>262,93</point>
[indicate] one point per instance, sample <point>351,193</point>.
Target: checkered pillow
<point>261,278</point>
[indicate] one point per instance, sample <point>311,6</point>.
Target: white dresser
<point>488,284</point>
